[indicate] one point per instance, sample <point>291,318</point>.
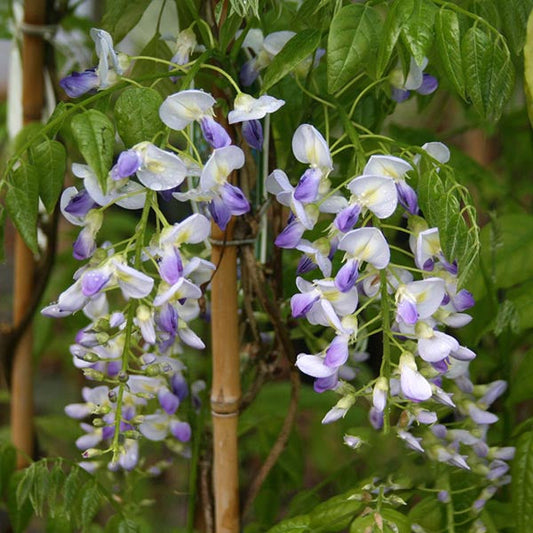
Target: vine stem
<point>385,361</point>
<point>24,269</point>
<point>139,243</point>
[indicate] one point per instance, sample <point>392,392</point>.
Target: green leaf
<point>528,68</point>
<point>391,31</point>
<point>522,484</point>
<point>449,207</point>
<point>119,524</point>
<point>488,71</point>
<point>297,524</point>
<point>25,485</point>
<point>514,15</point>
<point>428,514</point>
<point>507,248</point>
<point>522,299</point>
<point>137,115</point>
<point>228,31</point>
<point>335,513</point>
<point>95,137</point>
<point>448,44</point>
<point>90,503</point>
<point>50,160</point>
<point>39,490</point>
<point>73,487</point>
<point>520,388</point>
<point>19,514</point>
<point>353,40</point>
<point>301,46</point>
<point>22,203</point>
<point>418,31</point>
<point>8,460</point>
<point>121,16</point>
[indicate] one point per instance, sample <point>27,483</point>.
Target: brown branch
<point>279,445</point>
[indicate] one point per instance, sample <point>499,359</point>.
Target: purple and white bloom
<point>246,107</point>
<point>127,164</point>
<point>227,199</point>
<point>79,83</point>
<point>96,401</point>
<point>362,244</point>
<point>132,282</point>
<point>379,394</point>
<point>186,44</point>
<point>145,321</point>
<point>103,44</point>
<point>419,299</point>
<point>414,386</point>
<point>395,168</point>
<point>436,150</point>
<point>434,345</point>
<point>85,244</point>
<point>180,109</point>
<point>159,170</point>
<point>427,249</point>
<point>125,193</point>
<point>264,48</point>
<point>318,253</point>
<point>416,80</point>
<point>75,205</point>
<point>411,441</point>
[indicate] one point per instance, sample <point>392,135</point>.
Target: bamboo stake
<point>226,387</point>
<point>24,270</point>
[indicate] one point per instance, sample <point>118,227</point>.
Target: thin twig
<point>279,445</point>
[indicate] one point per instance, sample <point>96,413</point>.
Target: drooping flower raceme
<point>414,302</point>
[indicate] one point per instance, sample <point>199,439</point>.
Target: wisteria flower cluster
<point>424,370</point>
<point>141,295</point>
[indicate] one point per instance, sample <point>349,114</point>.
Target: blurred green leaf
<point>448,44</point>
<point>336,513</point>
<point>19,514</point>
<point>2,233</point>
<point>514,15</point>
<point>50,160</point>
<point>137,115</point>
<point>90,502</point>
<point>448,206</point>
<point>121,16</point>
<point>488,71</point>
<point>418,29</point>
<point>522,484</point>
<point>427,513</point>
<point>520,387</point>
<point>300,47</point>
<point>297,524</point>
<point>95,136</point>
<point>528,68</point>
<point>391,31</point>
<point>352,42</point>
<point>22,203</point>
<point>8,459</point>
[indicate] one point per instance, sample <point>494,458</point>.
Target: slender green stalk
<point>139,243</point>
<point>385,369</point>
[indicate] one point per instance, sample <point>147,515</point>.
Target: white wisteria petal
<point>428,294</point>
<point>387,165</point>
<point>160,170</point>
<point>413,384</point>
<point>377,193</point>
<point>314,366</point>
<point>274,42</point>
<point>309,146</point>
<point>277,182</point>
<point>180,109</point>
<point>154,427</point>
<point>438,151</point>
<point>131,195</point>
<point>66,197</point>
<point>254,40</point>
<point>333,204</point>
<point>193,229</point>
<point>220,165</point>
<point>247,107</point>
<point>367,244</point>
<point>437,347</point>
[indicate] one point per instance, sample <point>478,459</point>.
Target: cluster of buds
<point>141,295</point>
<point>424,372</point>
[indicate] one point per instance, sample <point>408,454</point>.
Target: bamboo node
<point>225,407</point>
<point>46,31</point>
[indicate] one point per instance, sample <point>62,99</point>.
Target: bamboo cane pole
<point>226,387</point>
<point>24,264</point>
